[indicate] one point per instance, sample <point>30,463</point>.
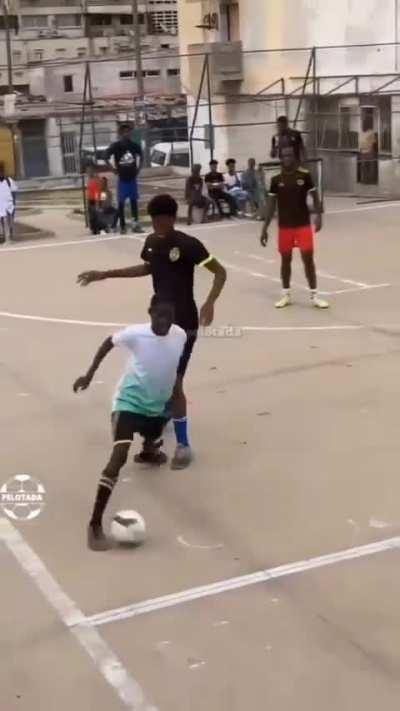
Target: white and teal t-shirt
<point>150,375</point>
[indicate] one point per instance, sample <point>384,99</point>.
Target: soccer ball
<point>128,527</point>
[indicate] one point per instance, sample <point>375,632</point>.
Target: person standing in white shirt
<point>8,190</point>
<point>155,350</point>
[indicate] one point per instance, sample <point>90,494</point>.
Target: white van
<point>171,155</point>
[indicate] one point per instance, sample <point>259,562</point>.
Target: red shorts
<point>291,237</point>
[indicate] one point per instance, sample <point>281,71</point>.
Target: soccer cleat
<point>182,458</point>
<point>97,541</point>
<point>156,459</point>
<point>319,303</point>
<point>151,454</point>
<point>122,231</point>
<point>283,302</point>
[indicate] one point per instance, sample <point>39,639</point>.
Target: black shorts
<point>187,352</point>
<point>126,424</point>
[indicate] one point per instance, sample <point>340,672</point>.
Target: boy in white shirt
<point>8,191</point>
<point>233,185</point>
<point>155,350</point>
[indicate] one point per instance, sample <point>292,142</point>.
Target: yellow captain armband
<point>303,170</point>
<point>206,261</point>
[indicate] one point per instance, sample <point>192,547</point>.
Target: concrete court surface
<point>294,420</point>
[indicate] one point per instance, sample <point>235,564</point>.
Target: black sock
<point>104,491</point>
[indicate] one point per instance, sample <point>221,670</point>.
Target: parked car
<point>171,155</point>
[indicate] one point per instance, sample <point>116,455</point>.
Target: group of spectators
<point>237,191</point>
<point>229,194</point>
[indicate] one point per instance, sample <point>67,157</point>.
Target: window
<point>164,46</point>
<point>68,20</point>
<point>126,19</point>
<point>12,22</point>
<point>34,22</point>
<point>173,72</point>
<point>17,57</point>
<point>180,160</point>
<point>60,52</point>
<point>158,157</point>
<point>68,83</point>
<point>103,50</point>
<point>101,20</point>
<point>151,73</point>
<point>38,55</point>
<point>163,22</point>
<point>81,52</point>
<point>126,75</point>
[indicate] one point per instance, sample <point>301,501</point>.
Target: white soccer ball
<point>128,527</point>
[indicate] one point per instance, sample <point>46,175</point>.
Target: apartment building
<point>262,64</point>
<point>51,43</point>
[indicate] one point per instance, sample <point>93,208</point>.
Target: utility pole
<point>8,46</point>
<point>140,77</point>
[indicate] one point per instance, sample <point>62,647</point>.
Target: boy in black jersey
<point>289,190</point>
<point>170,257</point>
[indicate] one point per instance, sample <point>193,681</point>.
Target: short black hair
<point>213,162</point>
<point>230,161</point>
<point>282,119</point>
<point>161,300</point>
<point>161,205</point>
<point>125,127</point>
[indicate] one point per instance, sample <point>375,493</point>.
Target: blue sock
<point>181,431</point>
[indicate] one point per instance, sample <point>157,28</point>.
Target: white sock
<point>313,293</point>
<point>286,292</point>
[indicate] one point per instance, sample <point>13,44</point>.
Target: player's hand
<point>318,223</point>
<point>264,236</point>
<point>81,383</point>
<point>86,278</point>
<point>206,314</point>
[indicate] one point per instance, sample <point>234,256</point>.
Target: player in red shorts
<point>289,191</point>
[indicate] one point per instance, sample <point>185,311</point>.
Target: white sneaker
<point>319,303</point>
<point>283,302</point>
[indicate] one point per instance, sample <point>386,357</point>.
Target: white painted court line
<point>118,324</point>
<point>362,209</point>
<point>53,245</point>
<point>161,603</point>
<point>107,663</point>
<point>320,273</point>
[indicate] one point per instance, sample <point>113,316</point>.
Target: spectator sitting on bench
<point>250,183</point>
<point>233,185</point>
<point>216,190</point>
<point>194,194</point>
<point>108,214</point>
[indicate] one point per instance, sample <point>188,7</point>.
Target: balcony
<point>106,6</point>
<point>226,64</point>
<point>28,5</point>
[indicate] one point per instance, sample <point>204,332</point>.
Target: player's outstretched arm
<point>219,272</point>
<point>270,212</point>
<point>84,381</point>
<point>138,270</point>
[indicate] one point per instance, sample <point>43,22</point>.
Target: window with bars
<point>68,20</point>
<point>34,22</point>
<point>163,22</point>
